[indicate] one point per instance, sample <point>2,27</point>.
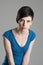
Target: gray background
<point>8,11</point>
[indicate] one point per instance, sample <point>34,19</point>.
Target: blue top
<point>18,52</point>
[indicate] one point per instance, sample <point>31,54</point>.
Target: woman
<point>18,42</point>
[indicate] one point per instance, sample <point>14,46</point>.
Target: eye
<point>21,20</point>
<point>28,20</point>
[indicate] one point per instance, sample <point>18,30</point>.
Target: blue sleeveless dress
<point>18,52</point>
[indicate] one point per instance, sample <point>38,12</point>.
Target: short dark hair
<point>24,11</point>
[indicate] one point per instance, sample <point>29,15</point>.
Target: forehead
<point>27,18</point>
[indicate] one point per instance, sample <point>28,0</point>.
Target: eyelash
<point>23,20</point>
<point>28,21</point>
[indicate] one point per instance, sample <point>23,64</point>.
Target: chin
<point>24,29</point>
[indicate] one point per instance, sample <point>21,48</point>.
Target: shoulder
<point>7,35</point>
<point>32,32</point>
<point>7,32</point>
<point>32,35</point>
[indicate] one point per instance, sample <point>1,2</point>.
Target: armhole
<point>33,35</point>
<point>7,36</point>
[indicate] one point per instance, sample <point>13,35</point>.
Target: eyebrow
<point>24,20</point>
<point>27,20</point>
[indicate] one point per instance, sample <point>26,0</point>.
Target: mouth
<point>24,28</point>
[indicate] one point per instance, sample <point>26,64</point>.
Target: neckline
<point>17,42</point>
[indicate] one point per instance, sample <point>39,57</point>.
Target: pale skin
<point>21,33</point>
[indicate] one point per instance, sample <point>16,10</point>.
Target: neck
<point>21,31</point>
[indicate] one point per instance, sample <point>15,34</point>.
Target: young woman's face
<point>25,23</point>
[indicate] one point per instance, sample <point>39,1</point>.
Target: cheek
<point>21,25</point>
<point>29,24</point>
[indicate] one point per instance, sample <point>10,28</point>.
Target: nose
<point>24,23</point>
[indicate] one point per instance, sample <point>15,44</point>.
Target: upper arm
<point>27,54</point>
<point>8,51</point>
<point>32,41</point>
<point>31,46</point>
<point>26,57</point>
<point>7,40</point>
<point>7,46</point>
